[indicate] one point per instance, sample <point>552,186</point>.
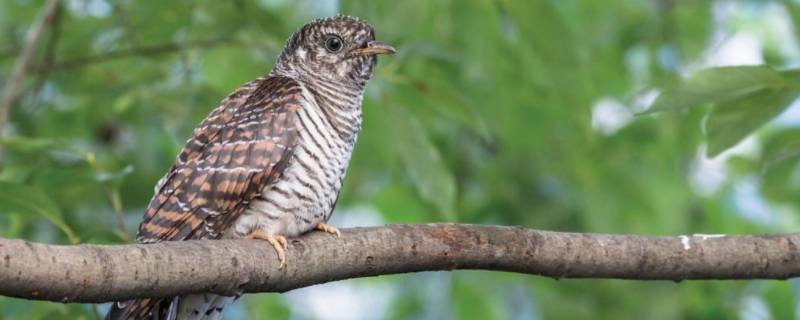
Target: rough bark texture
<point>96,273</point>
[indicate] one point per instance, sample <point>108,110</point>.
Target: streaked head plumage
<point>339,48</point>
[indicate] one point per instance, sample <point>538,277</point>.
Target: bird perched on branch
<point>268,162</point>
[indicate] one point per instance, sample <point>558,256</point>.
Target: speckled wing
<point>241,148</point>
<point>237,151</point>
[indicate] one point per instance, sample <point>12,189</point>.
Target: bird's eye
<point>334,43</point>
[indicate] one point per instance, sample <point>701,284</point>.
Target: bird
<point>269,161</point>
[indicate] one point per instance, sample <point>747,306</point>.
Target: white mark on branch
<point>685,242</point>
<point>707,236</point>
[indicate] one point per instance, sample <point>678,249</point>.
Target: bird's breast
<point>307,191</point>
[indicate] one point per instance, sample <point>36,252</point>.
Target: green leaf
<point>780,297</point>
<point>791,74</point>
<point>718,85</point>
<point>422,160</point>
<point>11,225</point>
<point>778,184</point>
<point>470,300</point>
<point>779,147</point>
<point>729,122</point>
<point>124,102</point>
<point>29,200</point>
<point>113,176</point>
<point>266,306</point>
<point>402,204</point>
<point>28,144</point>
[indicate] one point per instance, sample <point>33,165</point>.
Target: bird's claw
<point>277,241</point>
<point>329,229</point>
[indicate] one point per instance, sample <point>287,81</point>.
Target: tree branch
<point>14,81</point>
<point>96,273</point>
<point>155,49</point>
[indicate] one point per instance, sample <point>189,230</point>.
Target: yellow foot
<point>329,229</point>
<point>277,241</point>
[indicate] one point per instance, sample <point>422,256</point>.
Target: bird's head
<point>340,49</point>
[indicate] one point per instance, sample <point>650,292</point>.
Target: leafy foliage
<point>506,112</point>
<point>744,99</point>
<point>25,200</point>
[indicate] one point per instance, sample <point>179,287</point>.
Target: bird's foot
<point>329,229</point>
<point>277,241</point>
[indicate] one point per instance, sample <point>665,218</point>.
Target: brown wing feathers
<point>241,147</point>
<point>231,157</point>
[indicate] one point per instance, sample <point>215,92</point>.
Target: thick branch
<point>93,273</point>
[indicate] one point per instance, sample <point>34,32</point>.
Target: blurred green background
<point>495,112</point>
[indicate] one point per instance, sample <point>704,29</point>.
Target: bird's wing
<point>242,147</point>
<point>238,150</point>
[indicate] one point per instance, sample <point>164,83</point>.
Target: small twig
<point>20,69</point>
<point>123,19</point>
<point>112,192</point>
<point>52,41</point>
<point>116,204</point>
<point>49,57</point>
<point>140,51</point>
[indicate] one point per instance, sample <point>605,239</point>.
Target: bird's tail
<point>203,306</point>
<point>143,309</point>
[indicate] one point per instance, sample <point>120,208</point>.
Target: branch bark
<point>101,273</point>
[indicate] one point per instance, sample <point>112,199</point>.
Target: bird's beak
<point>373,48</point>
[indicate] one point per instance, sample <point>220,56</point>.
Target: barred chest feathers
<point>308,190</point>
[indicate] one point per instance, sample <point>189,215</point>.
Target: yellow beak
<point>374,47</point>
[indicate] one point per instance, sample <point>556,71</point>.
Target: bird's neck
<point>339,101</point>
